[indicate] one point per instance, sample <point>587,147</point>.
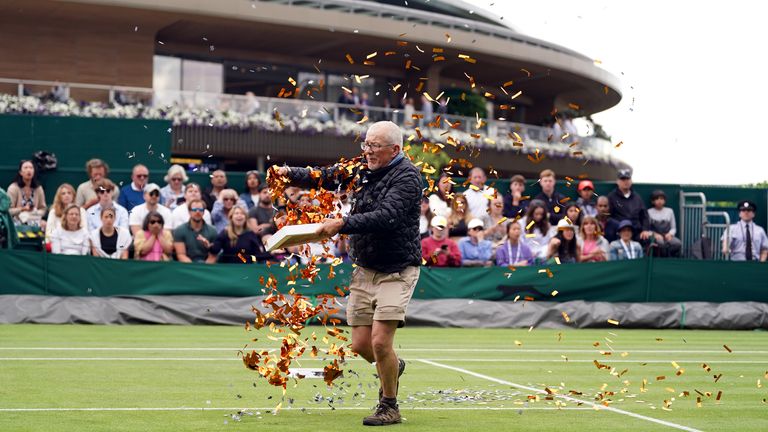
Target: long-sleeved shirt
<point>471,251</point>
<point>430,247</point>
<point>508,254</point>
<point>70,242</point>
<point>554,205</point>
<point>629,207</point>
<point>662,221</point>
<point>619,250</point>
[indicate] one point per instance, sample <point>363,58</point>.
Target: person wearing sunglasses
<point>104,189</point>
<point>172,194</point>
<point>192,240</point>
<point>132,194</point>
<point>227,200</point>
<point>476,251</point>
<point>152,242</point>
<point>383,227</point>
<point>151,203</point>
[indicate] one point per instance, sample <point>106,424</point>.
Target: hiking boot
<point>385,415</point>
<point>400,370</point>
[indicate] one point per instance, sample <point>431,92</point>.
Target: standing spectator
<point>427,109</point>
<point>365,104</point>
<point>251,194</point>
<point>438,250</point>
<point>564,246</point>
<point>747,240</point>
<point>494,222</point>
<point>627,205</point>
<point>180,215</point>
<point>594,247</point>
<point>151,203</point>
<point>551,198</point>
<point>625,248</point>
<point>440,201</point>
<point>105,188</point>
<point>86,195</point>
<point>475,250</point>
<point>662,223</point>
<point>460,216</point>
<point>27,196</point>
<point>110,241</point>
<point>424,217</point>
<point>408,111</point>
<point>537,230</point>
<point>477,193</point>
<point>514,252</point>
<point>218,184</point>
<point>236,243</point>
<point>514,202</point>
<point>152,242</point>
<point>228,199</point>
<point>172,193</point>
<point>71,238</point>
<point>260,217</point>
<point>608,225</point>
<point>192,240</point>
<point>65,195</point>
<point>586,202</point>
<point>132,194</point>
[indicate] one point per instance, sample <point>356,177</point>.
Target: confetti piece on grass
<point>613,322</point>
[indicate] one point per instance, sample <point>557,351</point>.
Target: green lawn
<point>189,378</point>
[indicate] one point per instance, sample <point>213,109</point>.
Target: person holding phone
<point>438,250</point>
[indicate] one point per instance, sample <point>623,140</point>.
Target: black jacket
<point>384,221</point>
<point>632,208</point>
<point>552,202</point>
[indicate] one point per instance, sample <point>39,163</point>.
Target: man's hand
<point>645,235</point>
<point>330,227</point>
<point>204,241</point>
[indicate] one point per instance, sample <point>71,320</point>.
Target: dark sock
<point>392,402</point>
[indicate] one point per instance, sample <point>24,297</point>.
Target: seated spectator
<point>515,203</point>
<point>573,213</point>
<point>608,225</point>
<point>211,193</point>
<point>260,217</point>
<point>424,218</point>
<point>172,194</point>
<point>477,193</point>
<point>494,221</point>
<point>152,242</point>
<point>251,195</point>
<point>105,188</point>
<point>151,203</point>
<point>564,245</point>
<point>550,197</point>
<point>27,196</point>
<point>662,223</point>
<point>747,241</point>
<point>438,250</point>
<point>236,243</point>
<point>460,217</point>
<point>475,250</point>
<point>441,200</point>
<point>132,194</point>
<point>514,252</point>
<point>627,205</point>
<point>594,247</point>
<point>180,215</point>
<point>192,241</point>
<point>586,200</point>
<point>625,248</point>
<point>71,238</point>
<point>86,195</point>
<point>228,199</point>
<point>65,195</point>
<point>537,230</point>
<point>110,241</point>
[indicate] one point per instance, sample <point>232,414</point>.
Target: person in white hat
<point>563,245</point>
<point>438,250</point>
<point>475,250</point>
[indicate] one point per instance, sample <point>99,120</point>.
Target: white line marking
<point>515,350</point>
<point>472,360</point>
<point>402,408</point>
<point>568,398</point>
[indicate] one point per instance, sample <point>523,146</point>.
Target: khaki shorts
<point>375,296</point>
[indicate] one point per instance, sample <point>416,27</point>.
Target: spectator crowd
<point>479,227</point>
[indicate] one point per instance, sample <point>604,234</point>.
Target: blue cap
<point>626,223</point>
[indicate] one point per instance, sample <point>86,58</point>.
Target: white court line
<point>453,359</point>
<point>568,398</point>
<point>490,350</point>
<point>402,408</point>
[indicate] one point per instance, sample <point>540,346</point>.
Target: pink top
<point>156,253</point>
<point>590,246</point>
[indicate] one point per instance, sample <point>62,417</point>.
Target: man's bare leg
<point>382,341</point>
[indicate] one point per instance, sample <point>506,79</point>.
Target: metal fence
<point>718,223</point>
<point>693,209</point>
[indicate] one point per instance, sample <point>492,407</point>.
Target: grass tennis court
<point>189,378</point>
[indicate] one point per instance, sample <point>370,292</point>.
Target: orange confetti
<point>350,59</point>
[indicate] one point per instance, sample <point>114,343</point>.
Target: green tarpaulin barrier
<point>645,280</point>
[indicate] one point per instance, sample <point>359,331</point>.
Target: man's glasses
<point>142,175</point>
<point>154,193</point>
<point>155,222</point>
<point>373,146</point>
<point>197,209</point>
